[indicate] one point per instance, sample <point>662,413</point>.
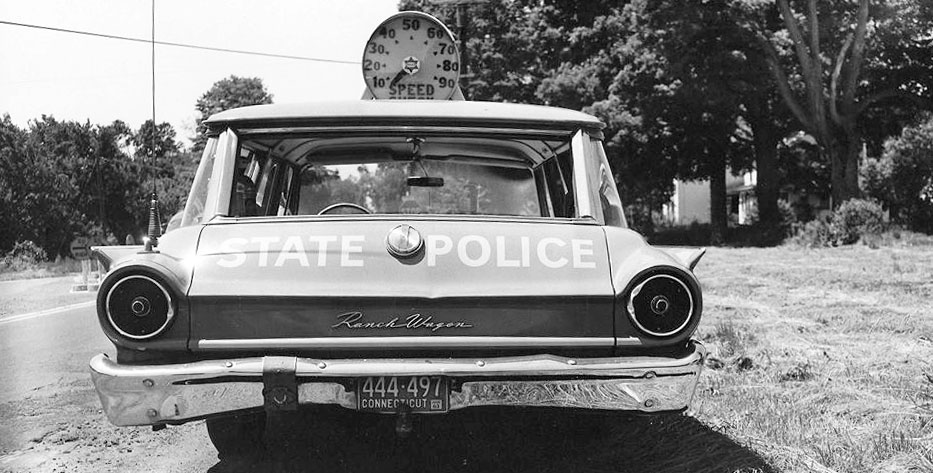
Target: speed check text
<point>469,250</point>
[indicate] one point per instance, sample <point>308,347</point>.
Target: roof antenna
<point>155,217</point>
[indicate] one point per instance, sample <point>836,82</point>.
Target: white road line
<point>42,313</point>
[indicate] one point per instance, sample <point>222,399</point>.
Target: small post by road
<point>81,250</point>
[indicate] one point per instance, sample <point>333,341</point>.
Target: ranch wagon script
<point>398,257</point>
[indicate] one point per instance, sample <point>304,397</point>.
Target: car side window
<point>558,171</point>
<point>262,186</point>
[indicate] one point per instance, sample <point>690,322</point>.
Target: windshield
<point>194,206</point>
<point>384,188</point>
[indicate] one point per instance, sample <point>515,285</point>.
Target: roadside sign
<point>80,248</point>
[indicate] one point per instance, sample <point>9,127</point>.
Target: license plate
<point>386,393</point>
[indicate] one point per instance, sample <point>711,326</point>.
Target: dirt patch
<point>61,429</point>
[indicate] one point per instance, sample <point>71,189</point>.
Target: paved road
<point>50,421</point>
<point>50,418</point>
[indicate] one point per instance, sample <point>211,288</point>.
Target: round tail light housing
<point>662,305</point>
<point>139,307</point>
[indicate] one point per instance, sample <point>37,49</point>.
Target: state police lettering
<point>346,251</point>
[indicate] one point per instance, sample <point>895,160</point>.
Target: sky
<point>75,77</point>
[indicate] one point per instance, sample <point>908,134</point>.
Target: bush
<point>24,255</point>
<point>815,233</point>
<point>856,218</point>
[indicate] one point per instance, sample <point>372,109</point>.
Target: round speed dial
<point>411,55</point>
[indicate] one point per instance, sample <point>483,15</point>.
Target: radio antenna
<point>155,218</point>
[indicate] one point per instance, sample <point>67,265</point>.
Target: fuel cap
<point>404,241</point>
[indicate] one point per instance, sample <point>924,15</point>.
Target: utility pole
<point>464,55</point>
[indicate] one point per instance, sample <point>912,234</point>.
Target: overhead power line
<point>178,45</point>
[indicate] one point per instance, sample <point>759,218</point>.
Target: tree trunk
<point>717,203</point>
<point>765,140</point>
<point>844,155</point>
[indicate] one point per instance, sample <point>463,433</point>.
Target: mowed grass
<point>821,359</point>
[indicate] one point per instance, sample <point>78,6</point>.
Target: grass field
<point>821,359</point>
<point>46,269</point>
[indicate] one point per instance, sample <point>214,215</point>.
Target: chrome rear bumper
<point>159,394</point>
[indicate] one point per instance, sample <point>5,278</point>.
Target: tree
<point>12,144</point>
<point>171,173</point>
<point>231,92</point>
<point>902,178</point>
<point>560,53</point>
<point>62,179</point>
<point>833,63</point>
<point>652,71</point>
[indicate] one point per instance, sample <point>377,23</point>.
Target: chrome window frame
<point>218,197</point>
<point>584,193</point>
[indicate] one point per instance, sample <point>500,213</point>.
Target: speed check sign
<point>411,55</point>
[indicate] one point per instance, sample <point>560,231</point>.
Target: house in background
<point>690,202</point>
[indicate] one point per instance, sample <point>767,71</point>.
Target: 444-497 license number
<point>387,393</point>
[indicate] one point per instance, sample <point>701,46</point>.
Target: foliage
<point>12,142</point>
<point>227,93</point>
<point>853,220</point>
<point>62,179</point>
<point>650,70</point>
<point>24,255</point>
<point>833,62</point>
<point>856,218</point>
<point>875,178</point>
<point>170,175</point>
<point>814,234</point>
<point>63,174</point>
<point>902,178</point>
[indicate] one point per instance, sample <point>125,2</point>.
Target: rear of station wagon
<point>397,258</point>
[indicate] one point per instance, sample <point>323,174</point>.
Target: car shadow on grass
<point>501,440</point>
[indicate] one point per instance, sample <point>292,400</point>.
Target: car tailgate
<point>331,284</point>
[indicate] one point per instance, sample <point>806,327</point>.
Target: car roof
<point>408,112</point>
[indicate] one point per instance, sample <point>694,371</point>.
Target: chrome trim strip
<point>384,130</point>
<point>218,196</point>
<point>159,394</point>
<point>220,220</point>
<point>581,188</point>
<point>405,342</point>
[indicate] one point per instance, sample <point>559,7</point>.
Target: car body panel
<point>493,278</point>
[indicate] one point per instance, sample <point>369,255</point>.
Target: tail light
<point>139,307</point>
<point>663,304</point>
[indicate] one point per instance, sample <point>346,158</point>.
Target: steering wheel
<point>349,205</point>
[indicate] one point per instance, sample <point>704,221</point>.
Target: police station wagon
<point>396,257</point>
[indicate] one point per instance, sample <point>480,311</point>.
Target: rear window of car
<point>403,175</point>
